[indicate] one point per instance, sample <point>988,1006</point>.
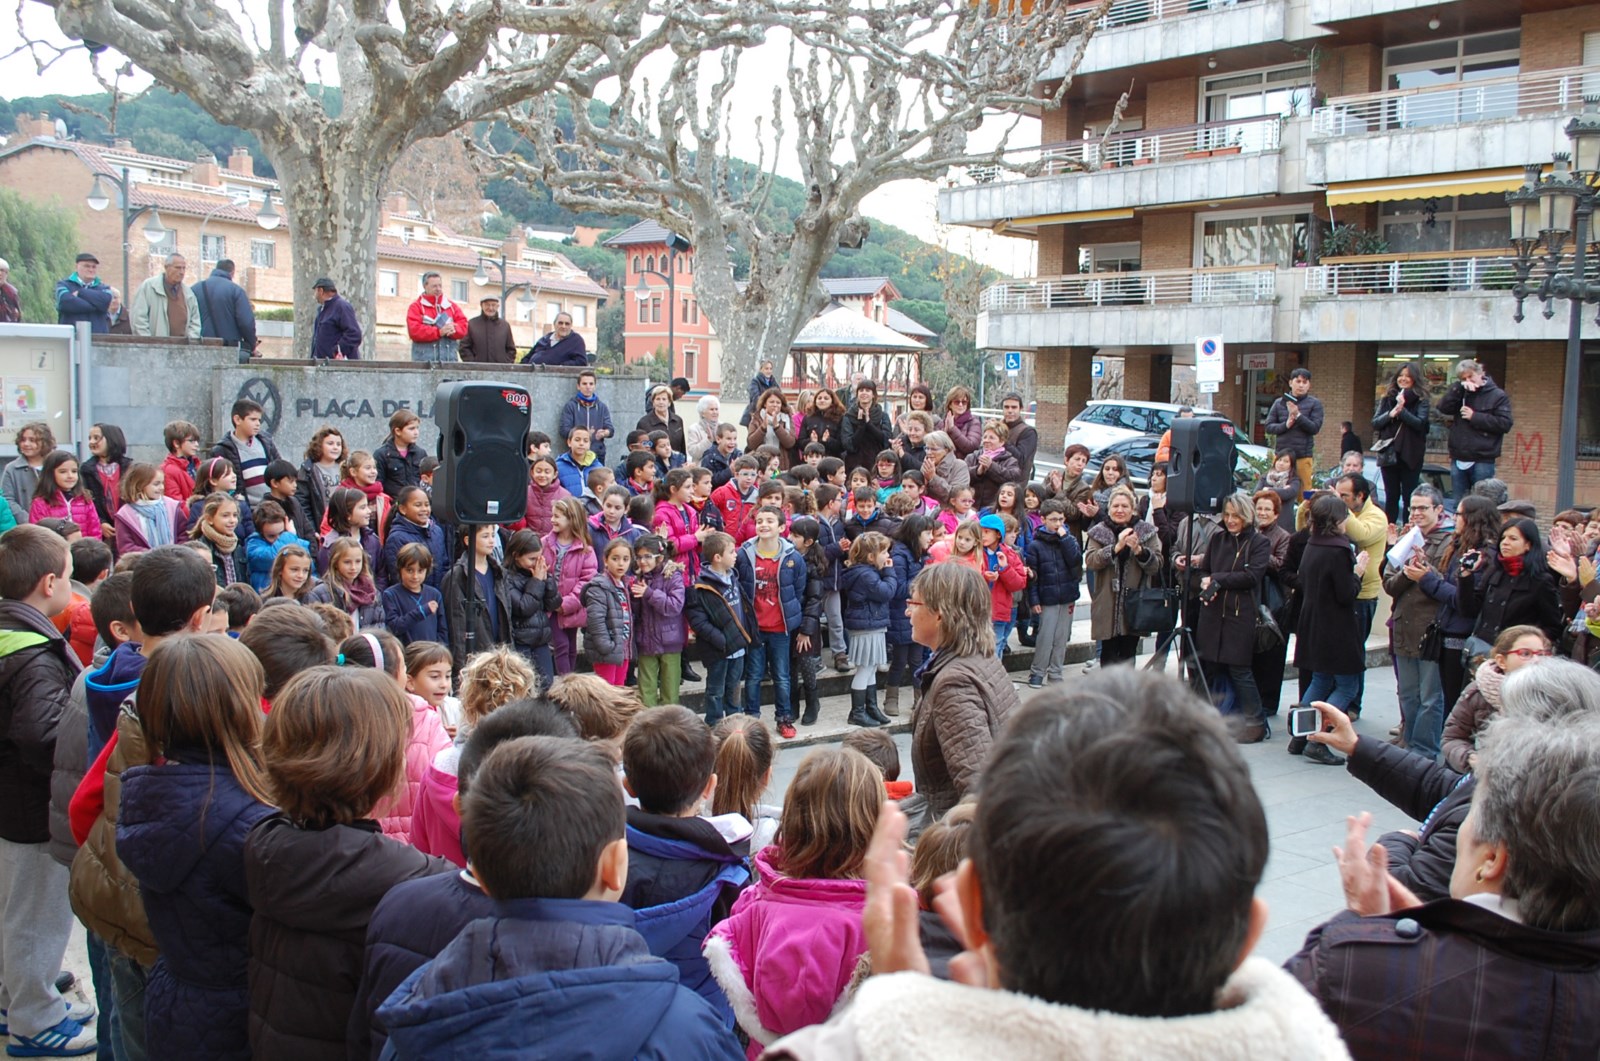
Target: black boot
<point>873,712</point>
<point>858,710</point>
<point>813,705</point>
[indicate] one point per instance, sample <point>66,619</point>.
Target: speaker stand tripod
<point>1189,665</point>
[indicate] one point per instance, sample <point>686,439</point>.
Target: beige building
<point>1253,125</point>
<point>211,210</point>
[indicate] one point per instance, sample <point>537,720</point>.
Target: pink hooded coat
<point>572,574</point>
<point>428,738</point>
<point>435,826</point>
<point>787,951</point>
<point>78,509</point>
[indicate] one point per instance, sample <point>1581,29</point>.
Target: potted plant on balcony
<point>1346,241</point>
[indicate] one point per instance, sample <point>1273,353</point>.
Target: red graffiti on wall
<point>1529,452</point>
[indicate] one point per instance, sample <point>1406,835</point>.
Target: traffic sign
<point>1209,387</point>
<point>1097,369</point>
<point>1013,361</point>
<point>1208,354</point>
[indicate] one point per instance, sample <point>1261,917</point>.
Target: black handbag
<point>1151,610</point>
<point>1383,451</point>
<point>1432,647</point>
<point>1269,635</point>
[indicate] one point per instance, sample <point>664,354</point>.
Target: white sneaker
<point>66,1039</point>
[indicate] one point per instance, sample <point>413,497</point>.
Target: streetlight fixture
<point>676,244</point>
<point>98,199</point>
<point>1548,211</point>
<point>529,297</point>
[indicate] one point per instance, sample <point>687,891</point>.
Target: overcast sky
<point>910,205</point>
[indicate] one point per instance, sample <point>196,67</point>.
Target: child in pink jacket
<point>569,550</point>
<point>428,737</point>
<point>60,495</point>
<point>790,946</point>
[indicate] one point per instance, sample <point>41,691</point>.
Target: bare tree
<point>445,179</point>
<point>873,95</point>
<point>407,71</point>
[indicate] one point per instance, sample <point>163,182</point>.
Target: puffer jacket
<point>1124,572</point>
<point>1007,581</point>
<point>866,592</point>
<point>659,627</point>
<point>77,509</point>
<point>678,527</point>
<point>403,532</point>
<point>181,831</point>
<point>1479,702</point>
<point>436,824</point>
<point>313,891</point>
<point>906,567</point>
<point>791,583</point>
<point>104,892</point>
<point>37,670</point>
<point>601,534</point>
<point>428,739</point>
<point>574,566</point>
<point>1058,563</point>
<point>541,502</point>
<point>965,702</point>
<point>260,554</point>
<point>608,634</point>
<point>533,602</point>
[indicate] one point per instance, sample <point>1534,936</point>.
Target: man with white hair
<point>702,434</point>
<point>10,304</point>
<point>164,305</point>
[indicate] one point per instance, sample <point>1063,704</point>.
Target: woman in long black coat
<point>1513,588</point>
<point>1235,562</point>
<point>1329,640</point>
<point>1403,417</point>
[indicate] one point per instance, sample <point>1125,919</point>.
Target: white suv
<point>1104,422</point>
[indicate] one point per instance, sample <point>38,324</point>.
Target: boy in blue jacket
<point>412,609</point>
<point>772,579</point>
<point>559,969</point>
<point>1055,568</point>
<point>272,536</point>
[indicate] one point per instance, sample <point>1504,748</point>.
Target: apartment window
<point>1253,239</point>
<point>551,311</point>
<point>458,290</point>
<point>213,248</point>
<point>636,263</point>
<point>388,282</point>
<point>655,310</point>
<point>644,311</point>
<point>580,316</point>
<point>650,263</point>
<point>1284,90</point>
<point>685,317</point>
<point>1458,61</point>
<point>691,363</point>
<point>263,254</point>
<point>1447,223</point>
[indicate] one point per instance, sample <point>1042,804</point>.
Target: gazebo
<point>841,341</point>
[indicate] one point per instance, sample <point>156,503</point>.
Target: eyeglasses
<point>1530,653</point>
<point>914,602</point>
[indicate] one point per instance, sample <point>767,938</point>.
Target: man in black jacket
<point>1022,440</point>
<point>1294,420</point>
<point>1482,414</point>
<point>225,310</point>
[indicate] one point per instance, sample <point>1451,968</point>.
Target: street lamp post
<point>1547,211</point>
<point>154,231</point>
<point>675,244</point>
<point>529,296</point>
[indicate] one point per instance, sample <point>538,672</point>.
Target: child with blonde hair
<point>348,585</point>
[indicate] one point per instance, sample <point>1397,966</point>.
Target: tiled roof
<point>174,202</point>
<point>855,285</point>
<point>906,325</point>
<point>434,254</point>
<point>643,232</point>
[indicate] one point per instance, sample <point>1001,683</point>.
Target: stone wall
<point>142,385</point>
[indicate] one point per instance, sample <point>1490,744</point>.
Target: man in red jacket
<point>435,323</point>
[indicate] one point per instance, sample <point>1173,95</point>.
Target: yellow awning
<point>1078,218</point>
<point>1392,189</point>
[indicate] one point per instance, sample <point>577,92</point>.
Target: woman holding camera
<point>1515,588</point>
<point>1231,570</point>
<point>1329,639</point>
<point>1476,535</point>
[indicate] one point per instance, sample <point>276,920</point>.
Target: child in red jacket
<point>1005,573</point>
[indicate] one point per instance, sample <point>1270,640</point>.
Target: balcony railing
<point>1248,283</point>
<point>1140,148</point>
<point>1133,12</point>
<point>1414,274</point>
<point>1526,95</point>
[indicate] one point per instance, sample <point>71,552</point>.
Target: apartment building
<point>1252,127</point>
<point>209,210</point>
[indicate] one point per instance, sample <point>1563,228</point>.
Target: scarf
<point>157,526</point>
<point>224,543</point>
<point>1489,679</point>
<point>995,454</point>
<point>361,592</point>
<point>963,420</point>
<point>1512,565</point>
<point>372,490</point>
<point>590,400</point>
<point>1277,480</point>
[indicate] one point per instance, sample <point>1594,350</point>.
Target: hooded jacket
<point>403,532</point>
<point>312,891</point>
<point>551,980</point>
<point>1058,563</point>
<point>1479,438</point>
<point>541,503</point>
<point>791,583</point>
<point>608,631</point>
<point>533,602</point>
<point>428,738</point>
<point>906,567</point>
<point>181,831</point>
<point>593,414</point>
<point>658,623</point>
<point>259,554</point>
<point>37,669</point>
<point>574,476</point>
<point>574,566</point>
<point>866,592</point>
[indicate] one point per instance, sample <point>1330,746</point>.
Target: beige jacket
<point>147,313</point>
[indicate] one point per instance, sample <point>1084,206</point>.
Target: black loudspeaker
<point>483,467</point>
<point>1200,465</point>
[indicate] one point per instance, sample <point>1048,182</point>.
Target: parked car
<point>1434,475</point>
<point>1139,453</point>
<point>1103,422</point>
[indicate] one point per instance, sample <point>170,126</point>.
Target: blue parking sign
<point>1013,360</point>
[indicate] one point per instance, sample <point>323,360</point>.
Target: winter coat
<point>949,477</point>
<point>865,439</point>
<point>779,434</point>
<point>1479,438</point>
<point>548,350</point>
<point>601,534</point>
<point>488,341</point>
<point>1058,564</point>
<point>865,593</point>
<point>758,386</point>
<point>1300,438</point>
<point>435,822</point>
<point>1124,573</point>
<point>103,891</point>
<point>1497,600</point>
<point>1430,793</point>
<point>403,532</point>
<point>148,310</point>
<point>311,490</point>
<point>967,436</point>
<point>1414,611</point>
<point>1402,985</point>
<point>336,331</point>
<point>397,470</point>
<point>89,303</point>
<point>1468,717</point>
<point>574,567</point>
<point>455,591</point>
<point>1007,581</point>
<point>593,415</point>
<point>574,476</point>
<point>1408,428</point>
<point>965,702</point>
<point>575,970</point>
<point>37,670</point>
<point>791,584</point>
<point>228,449</point>
<point>71,763</point>
<point>407,617</point>
<point>1328,637</point>
<point>541,503</point>
<point>313,891</point>
<point>608,631</point>
<point>365,616</point>
<point>369,542</point>
<point>1023,442</point>
<point>225,311</point>
<point>719,465</point>
<point>177,475</point>
<point>788,951</point>
<point>411,925</point>
<point>1236,565</point>
<point>105,505</point>
<point>1441,586</point>
<point>18,480</point>
<point>182,831</point>
<point>906,568</point>
<point>986,483</point>
<point>425,318</point>
<point>130,528</point>
<point>259,555</point>
<point>1262,1014</point>
<point>719,623</point>
<point>427,739</point>
<point>659,628</point>
<point>829,434</point>
<point>77,509</point>
<point>533,602</point>
<point>678,527</point>
<point>673,426</point>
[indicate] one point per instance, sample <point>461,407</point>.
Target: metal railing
<point>1138,148</point>
<point>1249,283</point>
<point>1544,92</point>
<point>1133,12</point>
<point>1458,272</point>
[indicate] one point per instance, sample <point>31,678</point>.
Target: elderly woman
<point>702,434</point>
<point>663,417</point>
<point>966,694</point>
<point>1231,571</point>
<point>1275,595</point>
<point>964,428</point>
<point>944,472</point>
<point>992,465</point>
<point>1126,553</point>
<point>1505,966</point>
<point>771,424</point>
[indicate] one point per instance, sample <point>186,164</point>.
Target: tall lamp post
<point>1547,212</point>
<point>675,245</point>
<point>154,231</point>
<point>529,298</point>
